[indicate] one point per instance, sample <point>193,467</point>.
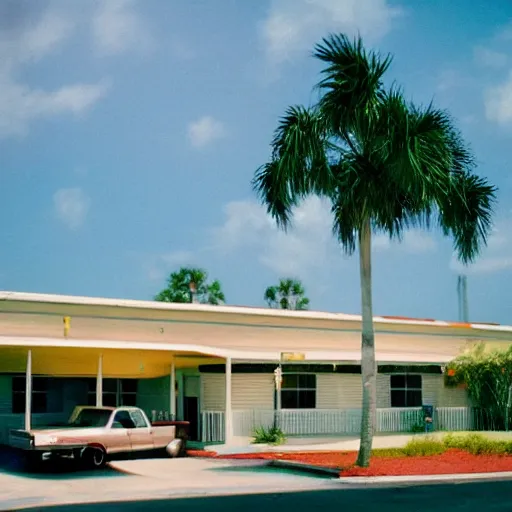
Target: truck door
<point>141,437</point>
<point>116,438</point>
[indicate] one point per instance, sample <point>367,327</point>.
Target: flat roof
<point>244,310</point>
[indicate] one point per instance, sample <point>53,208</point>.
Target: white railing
<point>330,421</point>
<point>249,421</point>
<point>398,419</point>
<point>319,421</point>
<point>213,427</point>
<point>453,418</point>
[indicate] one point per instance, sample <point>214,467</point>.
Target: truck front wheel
<point>94,458</point>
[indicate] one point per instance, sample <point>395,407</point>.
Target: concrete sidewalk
<point>333,443</point>
<point>307,444</point>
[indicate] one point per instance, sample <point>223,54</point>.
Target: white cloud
<point>414,241</point>
<point>293,26</point>
<point>21,104</point>
<point>35,41</point>
<point>490,58</point>
<point>117,27</point>
<point>204,131</point>
<point>498,102</point>
<point>309,244</point>
<point>496,257</point>
<point>71,206</point>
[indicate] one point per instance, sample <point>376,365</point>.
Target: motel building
<point>215,365</point>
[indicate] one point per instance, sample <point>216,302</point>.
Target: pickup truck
<point>95,433</point>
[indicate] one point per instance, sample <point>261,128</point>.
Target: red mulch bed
<point>450,462</point>
<point>201,453</point>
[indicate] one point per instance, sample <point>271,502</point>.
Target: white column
<point>99,382</point>
<point>172,394</point>
<point>28,392</point>
<point>228,420</point>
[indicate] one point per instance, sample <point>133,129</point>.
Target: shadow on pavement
<point>263,468</point>
<point>493,496</point>
<point>13,462</point>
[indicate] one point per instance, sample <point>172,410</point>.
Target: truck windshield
<point>92,418</point>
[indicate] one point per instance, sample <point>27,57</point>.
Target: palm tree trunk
<point>368,365</point>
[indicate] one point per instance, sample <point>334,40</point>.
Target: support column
<point>172,394</point>
<point>99,382</point>
<point>228,420</point>
<point>28,392</point>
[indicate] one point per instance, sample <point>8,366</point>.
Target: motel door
<point>191,395</point>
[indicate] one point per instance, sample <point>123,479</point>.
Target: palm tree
<point>191,285</point>
<point>385,164</point>
<point>288,294</point>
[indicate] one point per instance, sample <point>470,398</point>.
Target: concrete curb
<point>388,481</point>
<point>306,468</point>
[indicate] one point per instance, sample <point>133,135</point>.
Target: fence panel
<point>212,426</point>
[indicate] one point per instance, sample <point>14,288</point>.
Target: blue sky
<point>130,131</point>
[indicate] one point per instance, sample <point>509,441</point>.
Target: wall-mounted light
<point>67,325</point>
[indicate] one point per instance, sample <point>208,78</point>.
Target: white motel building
<point>214,365</point>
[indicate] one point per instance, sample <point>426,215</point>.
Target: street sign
<point>292,356</point>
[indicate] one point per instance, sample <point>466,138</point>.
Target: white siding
<point>383,391</point>
<point>250,391</point>
<point>253,391</point>
<point>213,387</point>
<point>327,391</point>
<point>338,391</point>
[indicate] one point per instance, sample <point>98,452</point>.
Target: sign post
<point>278,380</point>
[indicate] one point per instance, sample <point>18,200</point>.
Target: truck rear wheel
<point>94,458</point>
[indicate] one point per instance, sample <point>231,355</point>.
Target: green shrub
<point>388,452</point>
<point>271,435</point>
<point>417,428</point>
<point>477,444</point>
<point>423,446</point>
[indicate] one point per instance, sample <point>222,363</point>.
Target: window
<point>138,419</point>
<point>92,418</point>
<point>406,391</point>
<point>116,392</point>
<point>298,391</point>
<point>128,389</point>
<point>39,395</point>
<point>110,392</point>
<point>122,419</point>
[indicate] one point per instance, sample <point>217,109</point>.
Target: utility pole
<point>462,294</point>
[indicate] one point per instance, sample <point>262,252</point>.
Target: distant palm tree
<point>191,285</point>
<point>288,294</point>
<point>385,165</point>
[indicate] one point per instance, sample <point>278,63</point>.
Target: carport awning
<point>317,356</point>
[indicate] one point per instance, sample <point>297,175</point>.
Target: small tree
<point>487,376</point>
<point>191,285</point>
<point>288,294</point>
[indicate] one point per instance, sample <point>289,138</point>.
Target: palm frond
<point>465,212</point>
<point>352,80</point>
<point>299,164</point>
